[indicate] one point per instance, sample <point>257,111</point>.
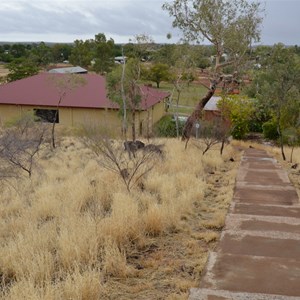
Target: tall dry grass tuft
<point>74,225</point>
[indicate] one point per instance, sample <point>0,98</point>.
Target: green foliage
<point>240,112</point>
<point>103,54</point>
<point>164,54</point>
<point>131,88</point>
<point>277,86</point>
<point>61,52</point>
<point>123,88</point>
<point>82,53</point>
<point>41,55</point>
<point>270,130</point>
<point>21,68</point>
<point>203,62</point>
<point>230,26</point>
<point>159,72</point>
<point>166,127</point>
<point>292,136</point>
<point>188,76</point>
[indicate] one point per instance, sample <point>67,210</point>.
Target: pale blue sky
<point>67,20</point>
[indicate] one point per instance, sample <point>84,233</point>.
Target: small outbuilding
<point>211,110</point>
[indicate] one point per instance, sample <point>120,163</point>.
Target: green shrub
<point>239,129</point>
<point>166,127</point>
<point>270,130</point>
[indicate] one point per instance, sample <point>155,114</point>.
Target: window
<point>47,115</point>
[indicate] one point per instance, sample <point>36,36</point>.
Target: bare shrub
<point>211,133</point>
<point>130,164</point>
<point>19,145</point>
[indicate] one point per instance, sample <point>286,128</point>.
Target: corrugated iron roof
<point>69,70</point>
<point>44,90</point>
<point>212,103</point>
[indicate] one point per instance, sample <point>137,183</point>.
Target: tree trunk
<point>62,96</point>
<point>133,125</point>
<point>176,119</point>
<point>124,123</point>
<point>157,84</point>
<point>291,157</point>
<point>53,135</point>
<point>187,130</point>
<point>222,146</point>
<point>281,141</point>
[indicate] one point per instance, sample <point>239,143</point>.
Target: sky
<point>68,20</point>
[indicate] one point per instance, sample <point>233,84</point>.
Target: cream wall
<point>74,117</point>
<point>153,114</point>
<point>9,112</point>
<point>67,116</point>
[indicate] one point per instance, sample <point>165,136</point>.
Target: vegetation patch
<point>74,231</point>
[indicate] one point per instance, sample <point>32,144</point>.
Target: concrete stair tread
<point>258,256</point>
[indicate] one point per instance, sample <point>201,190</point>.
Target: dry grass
<point>74,232</point>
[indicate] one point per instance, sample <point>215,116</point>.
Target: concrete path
<point>258,256</point>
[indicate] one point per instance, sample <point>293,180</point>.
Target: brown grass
<point>74,232</point>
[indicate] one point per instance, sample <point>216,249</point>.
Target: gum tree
<point>231,26</point>
<point>124,82</point>
<point>278,88</point>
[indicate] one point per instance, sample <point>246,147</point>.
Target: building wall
<point>9,112</point>
<point>153,114</point>
<point>75,117</point>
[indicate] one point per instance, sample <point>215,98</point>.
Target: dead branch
<point>19,146</point>
<point>131,164</point>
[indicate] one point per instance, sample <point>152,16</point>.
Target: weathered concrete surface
<point>258,256</point>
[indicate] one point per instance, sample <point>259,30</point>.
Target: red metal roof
<point>90,92</point>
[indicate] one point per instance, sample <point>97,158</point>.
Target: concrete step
<point>258,256</point>
<point>253,274</point>
<point>208,294</point>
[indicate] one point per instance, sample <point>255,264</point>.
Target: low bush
<point>270,130</point>
<point>166,127</point>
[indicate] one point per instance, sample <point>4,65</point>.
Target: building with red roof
<point>79,99</point>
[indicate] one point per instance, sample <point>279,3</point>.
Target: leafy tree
<point>41,55</point>
<point>123,82</point>
<point>61,52</point>
<point>240,111</point>
<point>103,54</point>
<point>230,26</point>
<point>5,55</point>
<point>165,54</point>
<point>82,53</point>
<point>292,136</point>
<point>18,50</point>
<point>21,68</point>
<point>123,85</point>
<point>143,46</point>
<point>182,73</point>
<point>159,72</point>
<point>128,49</point>
<point>278,86</point>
